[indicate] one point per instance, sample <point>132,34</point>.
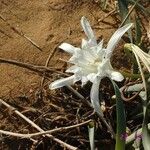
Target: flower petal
<point>68,48</point>
<point>117,76</point>
<point>84,44</point>
<point>88,30</point>
<point>62,82</point>
<point>73,69</point>
<point>84,80</point>
<point>99,47</point>
<point>92,77</point>
<point>116,38</point>
<point>94,95</point>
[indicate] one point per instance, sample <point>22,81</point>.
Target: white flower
<point>91,62</point>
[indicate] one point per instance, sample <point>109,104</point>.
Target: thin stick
<point>35,68</point>
<point>44,132</point>
<point>70,147</point>
<point>107,15</point>
<point>20,33</point>
<point>128,14</point>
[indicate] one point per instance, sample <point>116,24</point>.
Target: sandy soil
<point>47,23</point>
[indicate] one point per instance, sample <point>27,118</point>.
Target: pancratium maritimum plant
<point>141,57</point>
<point>91,62</point>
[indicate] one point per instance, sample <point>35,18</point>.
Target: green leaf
<point>91,129</point>
<point>121,120</point>
<point>138,33</point>
<point>140,7</point>
<point>123,10</point>
<point>146,134</point>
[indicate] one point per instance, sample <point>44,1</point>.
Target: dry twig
<point>42,70</point>
<point>44,132</point>
<point>70,147</point>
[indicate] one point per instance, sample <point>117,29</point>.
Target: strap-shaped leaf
<point>121,120</point>
<point>123,10</point>
<point>145,131</point>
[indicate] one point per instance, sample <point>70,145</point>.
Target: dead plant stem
<point>70,147</point>
<point>44,132</point>
<point>39,69</point>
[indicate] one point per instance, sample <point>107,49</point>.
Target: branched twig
<point>70,147</point>
<point>107,15</point>
<point>44,132</point>
<point>42,70</point>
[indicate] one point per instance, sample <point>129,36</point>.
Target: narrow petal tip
<point>52,86</point>
<point>114,40</point>
<point>88,30</point>
<point>67,47</point>
<point>62,82</point>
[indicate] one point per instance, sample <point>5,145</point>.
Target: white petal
<point>117,76</point>
<point>94,95</point>
<point>68,48</point>
<point>99,47</point>
<point>92,77</point>
<point>73,69</point>
<point>116,38</point>
<point>77,78</point>
<point>62,82</point>
<point>84,80</point>
<point>143,95</point>
<point>89,56</point>
<point>84,44</point>
<point>87,29</point>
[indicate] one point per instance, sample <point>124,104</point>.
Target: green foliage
<point>123,8</point>
<point>138,32</point>
<point>121,120</point>
<point>145,131</point>
<point>124,13</point>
